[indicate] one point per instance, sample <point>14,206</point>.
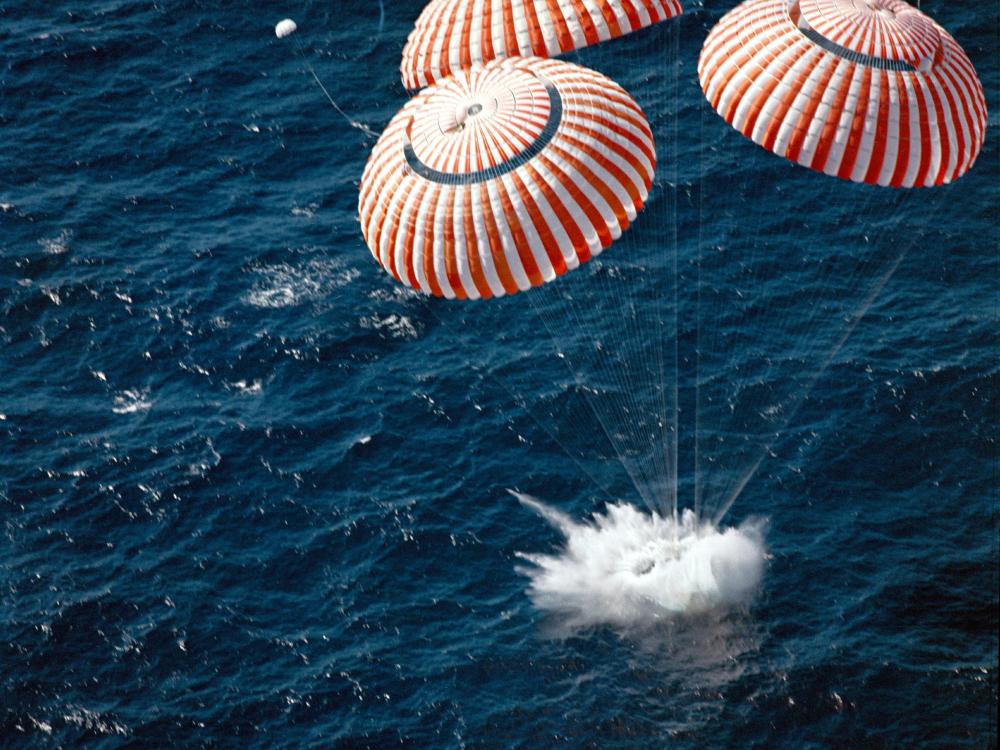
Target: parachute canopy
<point>504,177</point>
<point>451,35</point>
<point>285,28</point>
<point>872,91</point>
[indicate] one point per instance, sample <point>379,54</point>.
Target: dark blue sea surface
<point>253,493</point>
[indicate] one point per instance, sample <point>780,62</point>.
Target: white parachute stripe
<point>894,125</point>
<point>547,221</point>
<point>934,126</point>
<point>805,93</point>
<point>913,156</point>
<point>845,120</point>
<point>606,210</point>
<point>393,204</point>
<point>419,234</point>
<point>871,120</point>
<point>580,218</point>
<point>460,245</point>
<point>524,220</point>
<point>599,128</point>
<point>406,220</point>
<point>483,246</point>
<point>439,258</point>
<point>511,257</point>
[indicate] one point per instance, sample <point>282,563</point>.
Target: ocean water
<point>254,494</point>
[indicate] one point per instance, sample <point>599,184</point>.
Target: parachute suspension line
<point>697,320</point>
<point>614,365</point>
<point>645,376</point>
<point>666,442</point>
<point>669,385</point>
<point>615,408</point>
<point>635,336</point>
<point>674,477</point>
<point>626,352</point>
<point>648,376</point>
<point>555,439</point>
<point>430,304</point>
<point>350,120</point>
<point>820,342</point>
<point>658,213</point>
<point>795,402</point>
<point>750,389</point>
<point>590,393</point>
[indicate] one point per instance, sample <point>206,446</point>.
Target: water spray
<point>626,568</point>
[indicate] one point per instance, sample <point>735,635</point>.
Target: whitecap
<point>94,722</point>
<point>56,245</point>
<point>44,726</point>
<point>397,326</point>
<point>253,388</point>
<point>285,285</point>
<point>131,401</point>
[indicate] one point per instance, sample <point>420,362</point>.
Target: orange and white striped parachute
<point>504,177</point>
<point>872,91</point>
<point>452,35</point>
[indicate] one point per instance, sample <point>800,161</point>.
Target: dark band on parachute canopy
<point>855,57</point>
<point>483,175</point>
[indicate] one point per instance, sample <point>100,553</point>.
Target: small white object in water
<point>285,28</point>
<point>629,568</point>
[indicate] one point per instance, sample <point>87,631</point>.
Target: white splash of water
<point>285,285</point>
<point>56,245</point>
<point>95,722</point>
<point>629,568</point>
<point>252,388</point>
<point>131,401</point>
<point>307,212</point>
<point>397,326</point>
